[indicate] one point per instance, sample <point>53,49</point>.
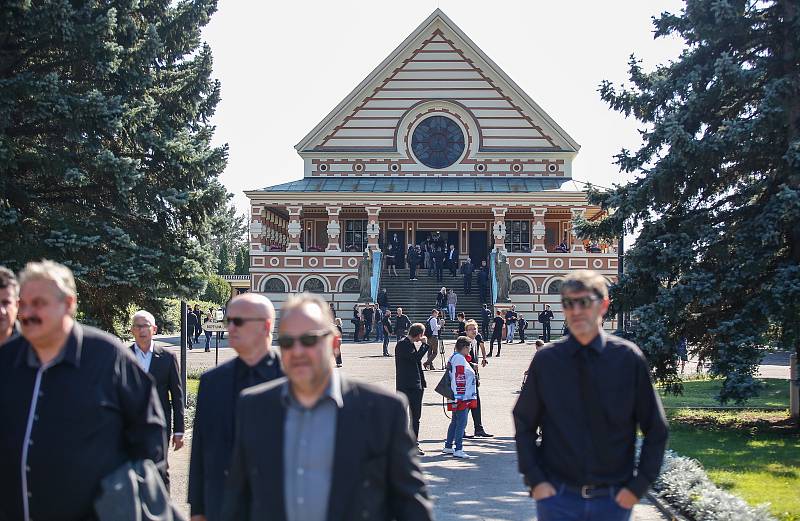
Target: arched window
<point>274,285</point>
<point>314,286</point>
<point>520,287</point>
<point>351,286</point>
<point>555,287</point>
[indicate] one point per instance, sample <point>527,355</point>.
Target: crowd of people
<point>280,434</point>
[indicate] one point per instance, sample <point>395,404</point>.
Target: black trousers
<point>521,335</point>
<point>546,331</point>
<point>412,270</point>
<point>485,330</point>
<point>415,404</point>
<point>386,342</point>
<point>467,284</point>
<point>484,294</point>
<point>476,413</point>
<point>439,272</point>
<point>496,335</point>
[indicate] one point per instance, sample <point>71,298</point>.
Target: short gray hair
<point>8,280</point>
<point>52,271</point>
<point>585,280</point>
<point>145,315</point>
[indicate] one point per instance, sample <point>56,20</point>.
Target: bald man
<point>250,321</point>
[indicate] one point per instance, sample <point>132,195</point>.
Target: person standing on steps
<point>586,464</point>
<point>497,333</point>
<point>409,376</point>
<point>483,282</point>
<point>401,324</point>
<point>452,260</point>
<point>383,299</point>
<point>386,326</point>
<point>441,300</point>
<point>452,300</point>
<point>438,264</point>
<point>466,269</point>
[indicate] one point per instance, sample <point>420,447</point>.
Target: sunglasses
<point>306,339</point>
<point>239,321</point>
<point>581,302</point>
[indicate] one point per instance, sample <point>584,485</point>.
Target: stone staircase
<point>418,298</point>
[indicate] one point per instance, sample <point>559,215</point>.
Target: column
<point>373,229</point>
<point>499,228</point>
<point>577,244</point>
<point>333,228</point>
<point>257,228</point>
<point>537,230</point>
<point>294,228</point>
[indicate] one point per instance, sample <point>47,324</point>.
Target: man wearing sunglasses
<point>317,446</point>
<point>590,393</point>
<point>250,320</point>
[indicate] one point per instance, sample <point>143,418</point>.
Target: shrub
<point>685,485</point>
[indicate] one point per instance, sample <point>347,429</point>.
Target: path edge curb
<point>665,508</point>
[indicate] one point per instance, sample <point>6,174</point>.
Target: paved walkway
<point>486,487</point>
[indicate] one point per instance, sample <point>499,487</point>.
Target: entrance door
<point>478,247</point>
<point>446,238</point>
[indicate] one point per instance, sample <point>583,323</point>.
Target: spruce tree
<point>106,162</point>
<point>717,198</point>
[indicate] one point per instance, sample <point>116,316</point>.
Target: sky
<point>285,65</point>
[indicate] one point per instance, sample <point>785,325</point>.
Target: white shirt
<point>143,358</point>
<point>434,323</point>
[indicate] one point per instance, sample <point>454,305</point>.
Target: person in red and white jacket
<point>464,385</point>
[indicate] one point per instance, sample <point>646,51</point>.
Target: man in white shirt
<point>163,367</point>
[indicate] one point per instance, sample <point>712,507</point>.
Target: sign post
<point>217,327</point>
<point>184,339</point>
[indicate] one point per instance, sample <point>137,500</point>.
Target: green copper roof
<point>393,185</point>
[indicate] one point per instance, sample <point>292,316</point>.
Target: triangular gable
<point>437,62</point>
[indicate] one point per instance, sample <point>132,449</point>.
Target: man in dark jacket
<point>409,377</point>
<point>250,320</point>
<point>486,318</point>
<point>483,283</point>
<point>545,317</point>
<point>452,260</point>
<point>383,299</point>
<point>316,446</point>
<point>74,405</point>
<point>401,324</point>
<point>369,314</point>
<point>438,264</point>
<point>163,367</point>
<point>191,324</point>
<point>466,269</point>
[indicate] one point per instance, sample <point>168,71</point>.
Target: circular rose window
<point>437,142</point>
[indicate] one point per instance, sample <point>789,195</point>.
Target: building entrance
<point>442,239</point>
<point>478,247</point>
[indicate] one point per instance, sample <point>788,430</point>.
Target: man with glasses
<point>592,391</point>
<point>316,445</point>
<point>163,367</point>
<point>250,321</point>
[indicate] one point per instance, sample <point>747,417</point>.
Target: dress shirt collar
<point>70,353</point>
<point>598,343</point>
<point>332,392</point>
<point>140,352</point>
<point>261,367</point>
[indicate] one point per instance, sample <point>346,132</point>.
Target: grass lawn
<point>753,454</point>
<point>703,393</point>
<point>191,385</point>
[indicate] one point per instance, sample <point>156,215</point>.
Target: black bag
<point>443,387</point>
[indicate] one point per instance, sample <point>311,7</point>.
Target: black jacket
<point>164,370</point>
<point>383,299</point>
<point>408,365</point>
<point>375,476</point>
<point>212,438</point>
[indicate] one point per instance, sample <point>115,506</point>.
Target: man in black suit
<point>483,282</point>
<point>317,446</point>
<point>467,268</point>
<point>163,367</point>
<point>250,320</point>
<point>438,263</point>
<point>192,324</point>
<point>409,377</point>
<point>452,260</point>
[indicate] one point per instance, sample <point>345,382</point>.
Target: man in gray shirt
<point>316,446</point>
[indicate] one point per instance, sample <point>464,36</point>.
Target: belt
<point>591,491</point>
